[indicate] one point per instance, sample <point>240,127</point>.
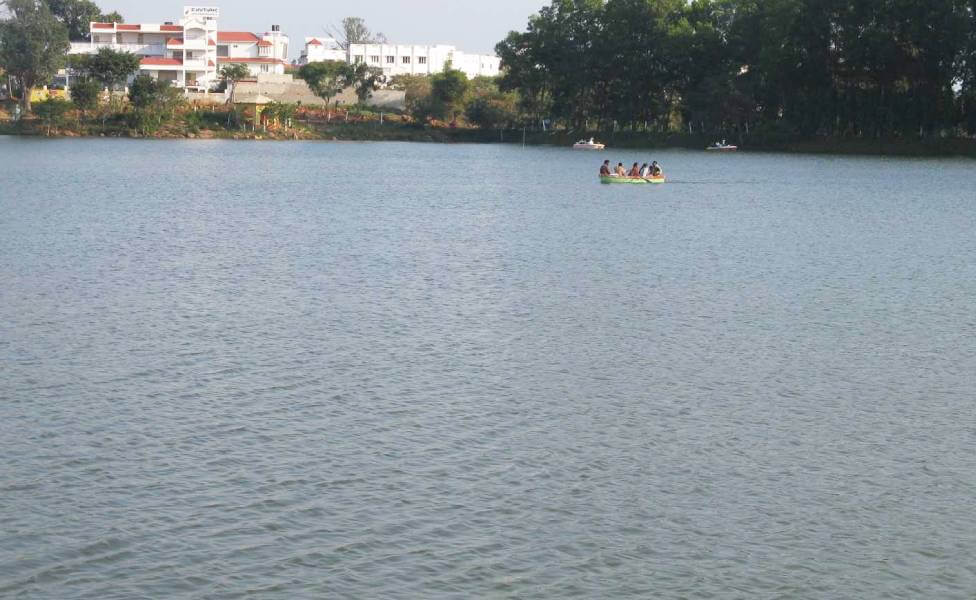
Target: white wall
<point>403,59</point>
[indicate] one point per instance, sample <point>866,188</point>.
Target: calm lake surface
<point>369,370</point>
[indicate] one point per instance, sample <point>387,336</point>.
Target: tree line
<point>872,68</point>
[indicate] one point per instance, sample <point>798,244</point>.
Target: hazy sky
<point>471,25</point>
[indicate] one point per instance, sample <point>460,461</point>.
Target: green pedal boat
<point>612,179</point>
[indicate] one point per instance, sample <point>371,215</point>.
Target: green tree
<point>32,45</point>
<point>325,79</point>
<point>448,92</point>
<point>362,78</point>
<point>231,74</point>
<point>52,112</point>
<point>234,72</point>
<point>112,17</point>
<point>76,16</point>
<point>557,64</point>
<point>109,67</point>
<point>84,95</point>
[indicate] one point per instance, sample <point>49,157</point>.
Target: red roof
<point>174,42</point>
<point>315,42</point>
<point>265,43</point>
<point>210,63</point>
<point>159,61</point>
<point>122,27</point>
<point>236,36</point>
<point>171,28</point>
<point>211,43</point>
<point>248,59</point>
<point>103,25</point>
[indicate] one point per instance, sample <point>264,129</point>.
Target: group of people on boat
<point>637,170</point>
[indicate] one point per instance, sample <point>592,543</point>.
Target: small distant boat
<point>588,145</point>
<point>722,147</point>
<point>638,180</point>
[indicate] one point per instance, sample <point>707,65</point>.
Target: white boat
<point>588,145</point>
<point>722,147</point>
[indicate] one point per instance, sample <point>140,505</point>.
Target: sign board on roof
<point>204,12</point>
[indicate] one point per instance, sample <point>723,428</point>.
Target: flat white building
<point>322,49</point>
<point>399,59</point>
<point>191,53</point>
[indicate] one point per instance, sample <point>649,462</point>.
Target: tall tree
<point>32,45</point>
<point>354,30</point>
<point>76,16</point>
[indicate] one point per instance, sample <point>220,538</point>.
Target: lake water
<point>345,370</point>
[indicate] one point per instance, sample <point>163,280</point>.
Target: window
<point>406,60</point>
<point>141,40</point>
<point>118,38</point>
<point>222,51</point>
<point>374,59</point>
<point>264,68</point>
<point>357,59</point>
<point>421,60</point>
<point>390,60</point>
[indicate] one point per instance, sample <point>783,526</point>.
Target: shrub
<point>52,112</point>
<point>84,94</point>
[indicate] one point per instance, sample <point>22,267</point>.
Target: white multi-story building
<point>190,54</point>
<point>399,59</point>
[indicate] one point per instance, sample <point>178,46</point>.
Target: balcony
<point>140,49</point>
<point>195,64</point>
<point>195,44</point>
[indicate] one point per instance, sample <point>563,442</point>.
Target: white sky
<point>471,25</point>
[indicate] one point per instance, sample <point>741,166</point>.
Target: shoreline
<point>394,132</point>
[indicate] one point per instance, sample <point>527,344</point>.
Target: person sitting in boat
<point>644,170</point>
<point>634,171</point>
<point>620,171</point>
<point>605,169</point>
<point>655,169</point>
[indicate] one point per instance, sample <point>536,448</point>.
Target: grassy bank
<point>215,124</point>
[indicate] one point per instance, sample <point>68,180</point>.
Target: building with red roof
<point>190,53</point>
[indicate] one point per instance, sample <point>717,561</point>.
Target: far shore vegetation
<point>794,75</point>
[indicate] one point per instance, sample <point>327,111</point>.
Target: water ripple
<point>271,378</point>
